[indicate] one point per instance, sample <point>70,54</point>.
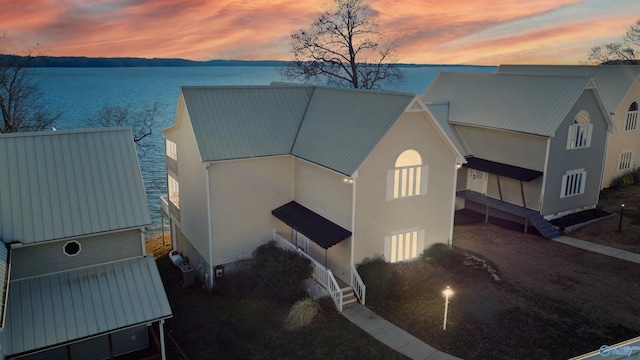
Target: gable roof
<point>527,104</point>
<point>613,81</point>
<point>60,184</point>
<point>336,128</point>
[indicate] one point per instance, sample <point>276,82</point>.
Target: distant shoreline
<point>101,62</point>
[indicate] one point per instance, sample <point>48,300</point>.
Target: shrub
<point>278,273</point>
<point>381,279</point>
<point>440,254</point>
<point>629,178</point>
<point>302,313</point>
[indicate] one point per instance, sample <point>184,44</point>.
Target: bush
<point>278,273</point>
<point>381,279</point>
<point>440,254</point>
<point>302,313</point>
<point>629,178</point>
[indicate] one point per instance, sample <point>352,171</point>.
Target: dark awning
<point>510,171</point>
<point>318,229</point>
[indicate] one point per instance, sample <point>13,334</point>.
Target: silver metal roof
<point>441,114</point>
<point>613,81</point>
<point>59,184</point>
<point>58,308</point>
<point>333,127</point>
<point>528,104</point>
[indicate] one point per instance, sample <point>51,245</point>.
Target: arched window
<point>580,131</point>
<point>632,117</point>
<point>408,177</point>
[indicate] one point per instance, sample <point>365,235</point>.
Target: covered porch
<point>307,225</point>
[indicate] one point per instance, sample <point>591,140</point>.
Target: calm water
<point>79,93</point>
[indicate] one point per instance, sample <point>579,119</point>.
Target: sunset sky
<point>481,32</point>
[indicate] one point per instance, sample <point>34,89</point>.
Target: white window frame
<point>573,183</point>
<point>404,245</point>
<point>172,150</point>
<point>580,132</point>
<point>407,181</point>
<point>631,122</point>
<point>625,160</point>
<point>174,190</point>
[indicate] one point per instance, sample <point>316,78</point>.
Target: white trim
<point>209,227</point>
<point>578,177</point>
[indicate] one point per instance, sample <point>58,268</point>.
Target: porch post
<point>524,203</point>
<point>162,346</point>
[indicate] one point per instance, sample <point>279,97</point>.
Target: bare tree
<point>141,122</point>
<point>20,96</point>
<point>344,46</point>
<point>625,52</point>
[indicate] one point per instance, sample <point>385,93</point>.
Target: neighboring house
<point>77,283</point>
<point>619,86</point>
<point>344,174</point>
<point>535,145</point>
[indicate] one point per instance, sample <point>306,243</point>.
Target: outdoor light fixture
<point>621,213</point>
<point>447,292</point>
<point>347,181</point>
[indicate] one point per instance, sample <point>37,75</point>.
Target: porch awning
<point>317,228</point>
<point>510,171</point>
<point>52,310</point>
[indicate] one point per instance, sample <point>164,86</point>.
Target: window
<point>573,183</point>
<point>174,191</point>
<point>625,160</point>
<point>409,176</point>
<point>403,246</point>
<point>632,117</point>
<point>72,248</point>
<point>580,131</point>
<point>172,151</point>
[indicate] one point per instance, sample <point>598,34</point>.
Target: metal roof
<point>529,104</point>
<point>55,309</point>
<point>317,228</point>
<point>59,184</point>
<point>613,81</point>
<point>506,170</point>
<point>441,114</point>
<point>333,127</point>
<point>4,281</point>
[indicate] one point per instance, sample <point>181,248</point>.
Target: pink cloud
<point>431,32</point>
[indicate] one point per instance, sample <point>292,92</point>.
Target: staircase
<point>543,226</point>
<point>348,297</point>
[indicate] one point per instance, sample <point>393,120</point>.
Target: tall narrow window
<point>172,150</point>
<point>409,176</point>
<point>405,245</point>
<point>632,117</point>
<point>580,132</point>
<point>625,162</point>
<point>174,191</point>
<point>573,183</point>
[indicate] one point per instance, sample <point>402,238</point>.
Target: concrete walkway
<point>600,249</point>
<point>393,336</point>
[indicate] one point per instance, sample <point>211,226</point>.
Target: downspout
<point>353,216</point>
<point>209,229</point>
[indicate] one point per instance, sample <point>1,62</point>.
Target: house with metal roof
<point>535,145</point>
<point>77,281</point>
<point>619,86</point>
<point>340,174</point>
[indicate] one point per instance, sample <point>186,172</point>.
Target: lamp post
<point>447,292</point>
<point>621,213</point>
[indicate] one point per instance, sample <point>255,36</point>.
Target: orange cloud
<point>474,31</point>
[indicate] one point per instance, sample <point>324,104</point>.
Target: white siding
<point>377,218</point>
<point>243,194</point>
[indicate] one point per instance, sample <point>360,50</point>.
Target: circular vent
<point>72,248</point>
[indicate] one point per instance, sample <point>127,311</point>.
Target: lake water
<point>79,93</point>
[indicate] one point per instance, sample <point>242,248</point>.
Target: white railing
<point>359,289</point>
<point>321,274</point>
<point>164,205</point>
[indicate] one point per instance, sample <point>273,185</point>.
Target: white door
<point>478,181</point>
<point>301,241</point>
